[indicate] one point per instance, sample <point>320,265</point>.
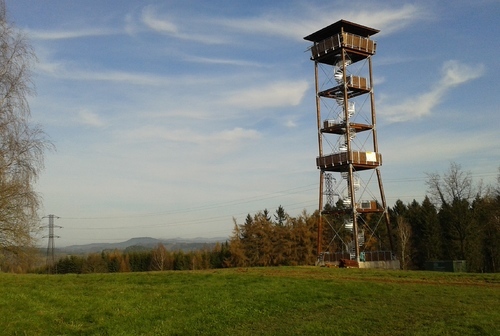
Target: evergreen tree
<point>280,216</point>
<point>237,254</point>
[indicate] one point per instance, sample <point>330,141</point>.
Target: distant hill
<point>145,243</point>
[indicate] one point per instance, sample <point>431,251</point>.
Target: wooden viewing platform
<point>355,86</point>
<point>338,162</point>
<point>331,46</point>
<point>330,126</point>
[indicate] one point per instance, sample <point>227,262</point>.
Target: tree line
<point>157,259</point>
<point>458,220</point>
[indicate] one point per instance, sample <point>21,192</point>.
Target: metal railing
<point>363,256</point>
<point>346,40</point>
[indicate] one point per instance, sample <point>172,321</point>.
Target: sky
<point>172,118</point>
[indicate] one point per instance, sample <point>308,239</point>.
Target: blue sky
<point>172,117</point>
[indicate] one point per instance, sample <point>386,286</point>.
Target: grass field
<point>252,301</point>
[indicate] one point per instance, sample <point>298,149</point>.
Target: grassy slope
<point>274,301</point>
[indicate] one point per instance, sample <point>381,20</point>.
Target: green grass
<point>253,301</point>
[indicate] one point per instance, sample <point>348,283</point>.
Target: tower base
<point>382,264</point>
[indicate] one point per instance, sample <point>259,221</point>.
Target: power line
<point>247,200</point>
<point>204,220</point>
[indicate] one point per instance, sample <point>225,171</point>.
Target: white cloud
<point>221,61</point>
<point>453,73</point>
<point>388,20</point>
<point>437,146</point>
<point>131,25</point>
<point>267,25</point>
<point>308,20</point>
<point>236,134</point>
<point>69,34</point>
<point>90,119</point>
<point>292,24</point>
<point>122,77</point>
<point>151,20</point>
<point>164,26</point>
<point>290,123</point>
<point>456,73</point>
<point>279,94</point>
<point>148,133</point>
<point>62,70</point>
<point>188,143</point>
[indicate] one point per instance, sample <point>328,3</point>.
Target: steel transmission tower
<point>347,141</point>
<point>50,248</point>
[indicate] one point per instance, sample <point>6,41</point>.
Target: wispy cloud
<point>222,61</point>
<point>70,34</point>
<point>291,24</point>
<point>271,25</point>
<point>122,77</point>
<point>89,118</point>
<point>63,70</point>
<point>437,146</point>
<point>236,134</point>
<point>153,20</point>
<point>279,94</point>
<point>150,19</point>
<point>453,73</point>
<point>291,123</point>
<point>148,133</point>
<point>389,19</point>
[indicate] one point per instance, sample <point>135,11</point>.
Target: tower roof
<point>335,28</point>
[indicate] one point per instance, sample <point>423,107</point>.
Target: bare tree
<point>160,258</point>
<point>456,194</point>
<point>22,144</point>
<point>497,189</point>
<point>404,236</point>
<point>454,185</point>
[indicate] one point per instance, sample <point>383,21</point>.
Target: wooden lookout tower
<point>351,195</point>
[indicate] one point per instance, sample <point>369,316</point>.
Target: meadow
<point>252,301</point>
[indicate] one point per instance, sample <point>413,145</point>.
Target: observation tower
<point>352,203</point>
